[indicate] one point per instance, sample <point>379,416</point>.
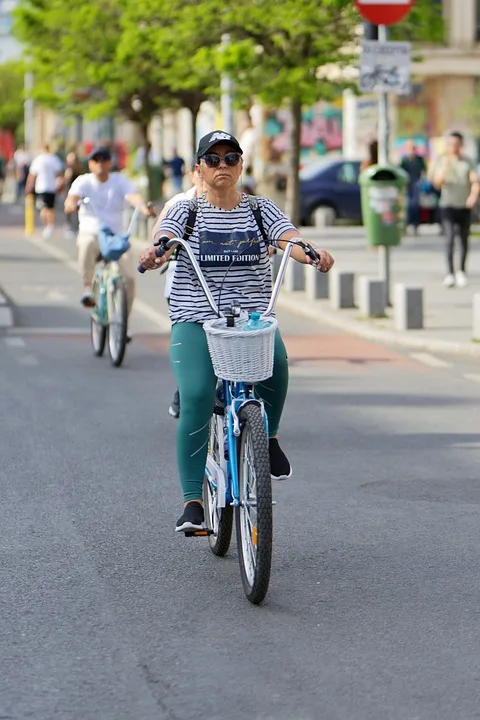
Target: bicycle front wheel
<point>98,331</point>
<point>254,522</point>
<point>117,321</point>
<point>217,519</point>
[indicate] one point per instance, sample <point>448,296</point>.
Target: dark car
<point>330,192</point>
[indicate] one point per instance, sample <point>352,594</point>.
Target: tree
<point>112,56</point>
<point>11,96</point>
<point>294,52</point>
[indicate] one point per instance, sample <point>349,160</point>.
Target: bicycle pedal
<point>199,533</point>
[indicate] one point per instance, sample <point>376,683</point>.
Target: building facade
<point>446,81</point>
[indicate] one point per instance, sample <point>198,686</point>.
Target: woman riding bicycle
<point>234,258</point>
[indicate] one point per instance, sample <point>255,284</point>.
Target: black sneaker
<point>280,467</point>
<point>192,519</point>
<point>174,409</point>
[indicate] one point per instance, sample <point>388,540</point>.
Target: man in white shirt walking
<point>43,179</point>
<point>107,192</point>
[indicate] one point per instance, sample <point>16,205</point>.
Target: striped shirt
<point>231,252</point>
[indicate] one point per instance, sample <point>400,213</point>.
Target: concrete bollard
<point>316,283</point>
<point>476,316</point>
<point>294,277</point>
<point>408,307</point>
<point>371,297</point>
<point>342,293</point>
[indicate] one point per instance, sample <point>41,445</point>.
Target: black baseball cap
<point>217,137</point>
<point>100,153</point>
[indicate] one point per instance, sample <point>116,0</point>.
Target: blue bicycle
<point>237,473</point>
<point>109,316</point>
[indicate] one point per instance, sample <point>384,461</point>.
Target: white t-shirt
<point>231,253</point>
<point>46,167</point>
<point>107,201</point>
<point>188,195</point>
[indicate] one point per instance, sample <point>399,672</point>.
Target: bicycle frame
<point>106,274</point>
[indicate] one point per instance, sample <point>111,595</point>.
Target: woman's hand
<point>149,260</point>
<point>324,264</point>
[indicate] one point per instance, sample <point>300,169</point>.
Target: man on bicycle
<point>225,235</point>
<point>107,192</point>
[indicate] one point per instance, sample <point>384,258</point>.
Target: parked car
<point>329,191</point>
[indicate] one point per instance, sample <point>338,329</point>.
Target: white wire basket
<point>241,355</point>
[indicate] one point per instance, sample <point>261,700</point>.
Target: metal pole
<point>383,147</point>
<point>226,86</point>
<point>28,110</point>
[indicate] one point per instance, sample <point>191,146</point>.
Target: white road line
<point>15,342</point>
<point>475,378</point>
<point>430,360</point>
<point>49,331</point>
<point>148,312</point>
<point>27,360</point>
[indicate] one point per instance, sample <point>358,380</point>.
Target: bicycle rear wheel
<point>254,522</point>
<point>218,519</point>
<point>117,321</point>
<point>98,331</point>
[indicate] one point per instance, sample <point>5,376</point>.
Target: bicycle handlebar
<point>164,243</point>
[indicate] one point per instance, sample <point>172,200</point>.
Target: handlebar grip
<point>159,252</point>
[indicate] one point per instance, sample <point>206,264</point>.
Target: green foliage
<point>11,96</point>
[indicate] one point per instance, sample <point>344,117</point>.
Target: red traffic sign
<point>384,12</point>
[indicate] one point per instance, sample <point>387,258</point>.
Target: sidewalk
<point>418,261</point>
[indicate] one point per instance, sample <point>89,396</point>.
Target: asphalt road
<point>372,612</point>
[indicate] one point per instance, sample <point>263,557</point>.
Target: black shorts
<point>46,200</point>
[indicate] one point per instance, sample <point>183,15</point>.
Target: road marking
<point>27,360</point>
<point>49,331</point>
<point>15,342</point>
<point>148,312</point>
<point>429,360</point>
<point>475,378</point>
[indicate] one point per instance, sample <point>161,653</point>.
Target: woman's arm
<point>326,260</point>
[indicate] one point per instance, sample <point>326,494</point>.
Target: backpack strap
<point>257,213</point>
<point>190,224</point>
<point>192,218</point>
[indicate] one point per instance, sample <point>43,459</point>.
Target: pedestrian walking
<point>455,176</point>
<point>43,179</point>
<point>415,167</point>
<point>177,169</point>
<point>22,162</point>
<point>73,169</point>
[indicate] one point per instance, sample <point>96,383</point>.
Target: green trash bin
<point>383,203</point>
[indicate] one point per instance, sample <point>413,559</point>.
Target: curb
<point>310,308</point>
<point>6,312</point>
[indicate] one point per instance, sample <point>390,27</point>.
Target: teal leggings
<point>196,382</point>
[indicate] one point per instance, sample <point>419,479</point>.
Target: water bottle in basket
<point>254,322</point>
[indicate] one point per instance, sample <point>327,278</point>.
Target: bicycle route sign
<point>385,67</point>
<point>384,12</point>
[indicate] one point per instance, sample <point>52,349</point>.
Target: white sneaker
<point>461,279</point>
<point>449,280</point>
<point>47,232</point>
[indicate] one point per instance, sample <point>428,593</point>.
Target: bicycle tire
<point>220,542</point>
<point>117,321</point>
<point>253,441</point>
<point>98,331</point>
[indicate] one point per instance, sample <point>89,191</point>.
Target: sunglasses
<point>100,158</point>
<point>212,160</point>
